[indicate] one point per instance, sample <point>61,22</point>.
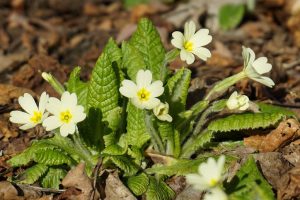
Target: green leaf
<point>171,55</point>
<point>52,157</point>
<point>138,184</point>
<point>231,15</point>
<point>136,154</point>
<point>21,159</point>
<point>103,91</point>
<point>92,129</point>
<point>159,190</point>
<point>147,40</point>
<point>114,118</point>
<point>113,51</point>
<point>114,150</point>
<point>136,129</point>
<point>124,163</point>
<point>245,121</point>
<point>133,60</point>
<point>32,174</point>
<point>268,108</point>
<point>75,85</point>
<point>131,3</point>
<point>177,90</point>
<point>195,143</point>
<point>53,178</point>
<point>249,184</point>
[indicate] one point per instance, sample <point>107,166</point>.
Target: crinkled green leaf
<point>231,15</point>
<point>103,91</point>
<point>136,154</point>
<point>166,133</point>
<point>138,184</point>
<point>136,129</point>
<point>133,60</point>
<point>159,190</point>
<point>245,121</point>
<point>32,174</point>
<point>114,150</point>
<point>92,129</point>
<point>177,90</point>
<point>268,108</point>
<point>114,118</point>
<point>147,40</point>
<point>53,178</point>
<point>52,157</point>
<point>249,184</point>
<point>196,143</point>
<point>75,85</point>
<point>124,163</point>
<point>171,55</point>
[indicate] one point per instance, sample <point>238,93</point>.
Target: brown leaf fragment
<point>77,178</point>
<point>273,166</point>
<point>285,132</point>
<point>9,192</point>
<point>291,152</point>
<point>189,193</point>
<point>289,185</point>
<point>116,190</point>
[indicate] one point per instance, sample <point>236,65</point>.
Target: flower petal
<point>261,65</point>
<point>189,30</point>
<point>27,103</point>
<point>156,89</point>
<point>19,117</point>
<point>215,194</point>
<point>178,39</point>
<point>264,80</point>
<point>54,106</point>
<point>78,114</point>
<point>52,123</point>
<point>128,88</point>
<point>68,100</point>
<point>67,129</point>
<point>201,38</point>
<point>187,56</point>
<point>27,126</point>
<point>202,53</point>
<point>143,78</point>
<point>137,103</point>
<point>43,102</point>
<point>151,103</point>
<point>197,182</point>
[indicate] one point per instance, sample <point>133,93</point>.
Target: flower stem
<point>156,140</point>
<point>221,86</point>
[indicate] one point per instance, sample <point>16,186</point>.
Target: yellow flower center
<point>143,94</point>
<point>213,182</point>
<point>66,116</point>
<point>188,46</point>
<point>36,118</point>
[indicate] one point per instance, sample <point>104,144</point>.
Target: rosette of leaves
<point>119,133</point>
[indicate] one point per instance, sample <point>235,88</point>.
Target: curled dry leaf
<point>116,190</point>
<point>289,185</point>
<point>291,152</point>
<point>9,192</point>
<point>285,132</point>
<point>77,178</point>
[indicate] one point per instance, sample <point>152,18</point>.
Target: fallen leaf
<point>9,192</point>
<point>291,152</point>
<point>289,185</point>
<point>286,131</point>
<point>77,178</point>
<point>116,190</point>
<point>12,61</point>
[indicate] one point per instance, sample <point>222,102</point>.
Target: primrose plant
<point>132,116</point>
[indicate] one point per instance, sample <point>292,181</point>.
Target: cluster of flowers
<point>65,113</point>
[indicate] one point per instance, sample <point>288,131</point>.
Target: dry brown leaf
<point>286,131</point>
<point>291,152</point>
<point>289,185</point>
<point>116,190</point>
<point>77,178</point>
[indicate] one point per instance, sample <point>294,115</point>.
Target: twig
<point>40,188</point>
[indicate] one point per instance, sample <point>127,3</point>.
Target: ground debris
<point>286,131</point>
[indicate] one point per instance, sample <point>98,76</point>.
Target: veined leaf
<point>249,184</point>
<point>159,190</point>
<point>177,90</point>
<point>124,163</point>
<point>245,121</point>
<point>147,40</point>
<point>138,184</point>
<point>114,150</point>
<point>103,91</point>
<point>113,51</point>
<point>133,60</point>
<point>268,108</point>
<point>53,178</point>
<point>136,154</point>
<point>75,85</point>
<point>136,129</point>
<point>52,157</point>
<point>32,174</point>
<point>195,143</point>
